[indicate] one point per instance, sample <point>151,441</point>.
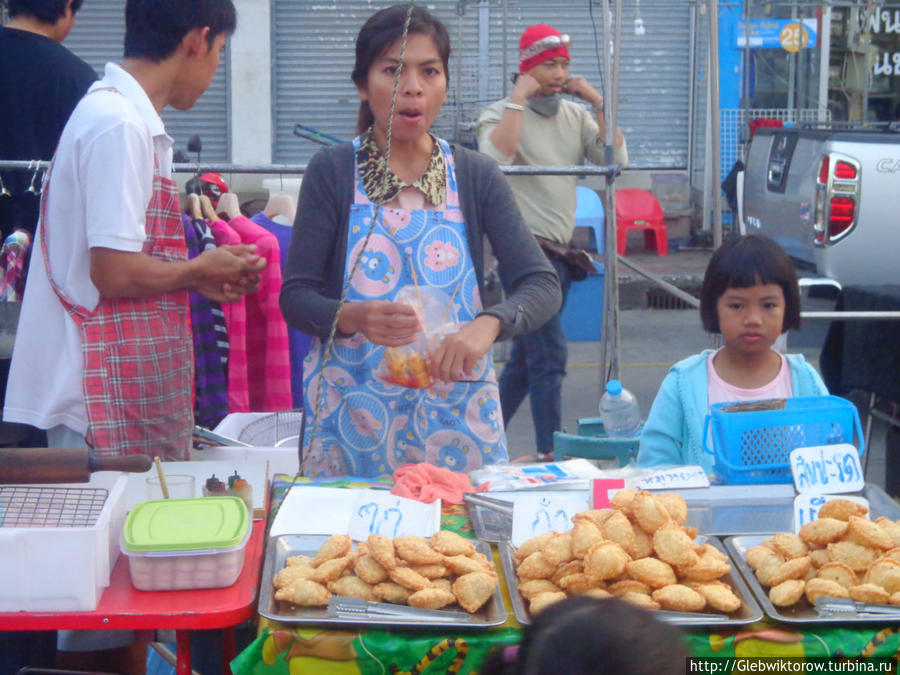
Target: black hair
<point>155,28</point>
<point>380,32</point>
<point>45,11</point>
<point>746,261</point>
<point>582,635</point>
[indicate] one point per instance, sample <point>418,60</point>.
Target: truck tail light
<point>844,171</point>
<point>843,212</point>
<point>823,171</point>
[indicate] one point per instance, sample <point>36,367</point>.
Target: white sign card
<point>323,510</point>
<point>688,476</point>
<point>807,505</point>
<point>827,469</point>
<point>537,514</point>
<point>380,512</point>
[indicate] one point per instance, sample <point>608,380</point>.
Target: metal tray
<point>749,612</point>
<point>279,549</point>
<point>726,510</point>
<point>802,611</point>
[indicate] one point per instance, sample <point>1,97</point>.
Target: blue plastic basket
<point>755,447</point>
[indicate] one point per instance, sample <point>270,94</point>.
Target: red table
<point>123,606</point>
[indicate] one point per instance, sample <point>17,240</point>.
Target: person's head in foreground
<point>422,89</point>
<point>582,635</point>
<point>750,293</point>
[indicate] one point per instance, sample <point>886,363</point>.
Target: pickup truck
<point>830,197</point>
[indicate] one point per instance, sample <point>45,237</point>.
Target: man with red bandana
<point>536,126</point>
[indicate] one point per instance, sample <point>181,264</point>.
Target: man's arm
<point>505,136</point>
<point>223,273</point>
<point>581,88</point>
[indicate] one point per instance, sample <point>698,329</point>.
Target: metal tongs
<point>688,618</point>
<point>829,607</point>
<point>342,607</point>
<point>498,505</point>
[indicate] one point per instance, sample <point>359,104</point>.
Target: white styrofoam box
<point>63,569</point>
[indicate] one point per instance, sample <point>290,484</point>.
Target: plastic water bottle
<point>619,410</point>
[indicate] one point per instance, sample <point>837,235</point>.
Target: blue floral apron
<point>367,427</point>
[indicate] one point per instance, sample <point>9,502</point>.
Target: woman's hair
<point>582,635</point>
<point>742,262</point>
<point>155,28</point>
<point>380,32</point>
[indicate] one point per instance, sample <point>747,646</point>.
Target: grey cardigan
<point>314,269</point>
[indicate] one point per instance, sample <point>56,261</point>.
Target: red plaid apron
<point>138,354</point>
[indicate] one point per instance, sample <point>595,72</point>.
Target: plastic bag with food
<point>408,366</point>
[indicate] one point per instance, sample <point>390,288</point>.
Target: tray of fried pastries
<point>842,567</point>
<point>445,581</point>
<point>639,550</point>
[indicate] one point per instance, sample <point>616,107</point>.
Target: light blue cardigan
<point>673,433</point>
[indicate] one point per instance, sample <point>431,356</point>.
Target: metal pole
<point>715,113</point>
<point>824,62</point>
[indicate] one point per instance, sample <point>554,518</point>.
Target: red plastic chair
<point>640,210</point>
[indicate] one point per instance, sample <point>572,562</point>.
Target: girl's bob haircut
<point>742,262</point>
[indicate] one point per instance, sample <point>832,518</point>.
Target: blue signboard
<point>792,35</point>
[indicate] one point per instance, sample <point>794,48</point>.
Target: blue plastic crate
<point>754,447</point>
<point>591,442</point>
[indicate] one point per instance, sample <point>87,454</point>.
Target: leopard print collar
<point>432,183</point>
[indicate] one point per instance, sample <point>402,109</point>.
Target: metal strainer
<point>275,430</point>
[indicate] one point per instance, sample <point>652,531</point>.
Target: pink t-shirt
<point>720,391</point>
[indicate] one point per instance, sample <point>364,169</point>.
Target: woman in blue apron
<point>397,218</point>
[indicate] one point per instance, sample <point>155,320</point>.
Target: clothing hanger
<point>194,207</point>
<point>206,207</point>
<point>280,204</point>
<point>229,205</point>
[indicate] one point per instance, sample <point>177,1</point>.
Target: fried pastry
<point>891,528</point>
<point>388,591</point>
<point>565,570</point>
<point>618,529</point>
<point>655,573</point>
<point>819,588</point>
<point>768,567</point>
<point>597,516</point>
<point>673,546</point>
<point>839,572</point>
<point>535,566</point>
<point>578,582</point>
<point>795,568</point>
<point>708,568</point>
<point>450,543</point>
<point>623,501</point>
<point>475,589</point>
<point>533,545</point>
<point>789,545</point>
<point>559,549</point>
<point>719,595</point>
<point>369,570</point>
<point>624,586</point>
<point>304,593</point>
<point>640,600</point>
<point>431,598</point>
<point>679,598</point>
<point>885,572</point>
<point>823,531</point>
<point>416,550</point>
<point>598,593</point>
<point>302,560</point>
<point>841,509</point>
<point>352,587</point>
<point>649,512</point>
<point>675,505</point>
<point>643,544</point>
<point>336,546</point>
<point>330,570</point>
<point>409,579</point>
<point>543,600</point>
<point>819,557</point>
<point>443,583</point>
<point>787,592</point>
<point>857,557</point>
<point>533,587</point>
<point>585,534</point>
<point>463,564</point>
<point>288,575</point>
<point>382,549</point>
<point>869,593</point>
<point>431,571</point>
<point>866,533</point>
<point>605,560</point>
<point>756,554</point>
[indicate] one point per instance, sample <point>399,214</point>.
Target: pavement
<point>652,339</point>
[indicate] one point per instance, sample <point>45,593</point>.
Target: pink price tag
<point>601,490</point>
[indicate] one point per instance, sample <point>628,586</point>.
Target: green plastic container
<point>181,544</point>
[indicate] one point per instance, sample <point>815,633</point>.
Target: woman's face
<point>422,90</point>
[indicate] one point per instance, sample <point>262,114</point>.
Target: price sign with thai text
<point>827,469</point>
<point>538,514</point>
<point>807,505</point>
<point>689,476</point>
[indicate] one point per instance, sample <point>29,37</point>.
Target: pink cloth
<point>236,324</point>
<point>268,350</point>
<point>426,482</point>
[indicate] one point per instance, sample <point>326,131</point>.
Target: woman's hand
<point>390,324</point>
<point>455,359</point>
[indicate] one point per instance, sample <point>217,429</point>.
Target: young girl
<point>432,206</point>
<point>582,635</point>
<point>750,295</point>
